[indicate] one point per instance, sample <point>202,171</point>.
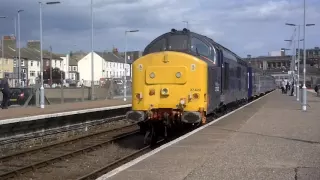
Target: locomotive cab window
<point>178,43</point>
<point>158,46</point>
<point>201,47</point>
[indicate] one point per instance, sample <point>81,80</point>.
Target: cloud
<point>244,26</point>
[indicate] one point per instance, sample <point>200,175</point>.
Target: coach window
<point>158,46</point>
<point>202,48</point>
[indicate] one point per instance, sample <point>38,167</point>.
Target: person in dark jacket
<point>5,88</point>
<point>316,89</point>
<point>292,88</point>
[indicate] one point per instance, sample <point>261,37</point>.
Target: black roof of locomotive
<point>186,31</point>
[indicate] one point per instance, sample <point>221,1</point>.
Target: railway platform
<point>270,138</point>
<point>16,115</point>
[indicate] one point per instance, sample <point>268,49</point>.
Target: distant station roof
<point>269,58</point>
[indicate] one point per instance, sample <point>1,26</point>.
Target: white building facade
<point>33,70</point>
<point>65,65</point>
<point>111,66</point>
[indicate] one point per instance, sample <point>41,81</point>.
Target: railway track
<point>99,172</point>
<point>22,162</point>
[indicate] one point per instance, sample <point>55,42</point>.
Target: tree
<point>57,75</point>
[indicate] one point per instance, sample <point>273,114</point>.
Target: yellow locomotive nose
<point>180,80</point>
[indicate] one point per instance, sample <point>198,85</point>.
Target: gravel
<point>75,167</point>
<point>58,137</point>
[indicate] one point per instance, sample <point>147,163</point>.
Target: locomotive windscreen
<point>172,42</point>
<point>158,46</point>
<point>178,42</point>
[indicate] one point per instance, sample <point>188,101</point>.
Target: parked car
<point>20,95</point>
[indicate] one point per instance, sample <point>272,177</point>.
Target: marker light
<point>139,95</point>
<point>182,101</point>
<point>152,92</point>
<point>164,91</point>
<point>152,75</point>
<point>178,74</point>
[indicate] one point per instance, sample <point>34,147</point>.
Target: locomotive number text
<point>195,89</point>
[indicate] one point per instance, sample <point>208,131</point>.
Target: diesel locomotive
<point>183,76</point>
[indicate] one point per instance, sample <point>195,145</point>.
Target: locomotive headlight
<point>152,75</point>
<point>164,91</point>
<point>182,101</point>
<point>178,74</point>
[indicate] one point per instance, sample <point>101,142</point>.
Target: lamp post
<point>41,58</point>
<point>304,88</point>
<point>187,22</point>
<point>304,60</point>
<point>19,47</point>
<point>92,63</point>
<point>51,67</point>
<point>125,64</point>
<point>292,64</point>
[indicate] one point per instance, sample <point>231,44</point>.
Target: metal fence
<point>106,90</point>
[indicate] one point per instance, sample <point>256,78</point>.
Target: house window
<point>74,68</point>
<point>32,73</point>
<point>22,62</point>
<point>24,70</point>
<point>47,63</point>
<point>31,63</point>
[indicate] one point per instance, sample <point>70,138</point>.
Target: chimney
<point>115,51</point>
<point>34,44</point>
<point>9,41</point>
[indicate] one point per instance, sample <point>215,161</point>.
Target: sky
<point>253,27</point>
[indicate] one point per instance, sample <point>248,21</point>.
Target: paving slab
<point>269,139</point>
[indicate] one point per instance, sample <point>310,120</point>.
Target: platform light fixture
<point>304,103</point>
<point>125,63</point>
<point>41,55</point>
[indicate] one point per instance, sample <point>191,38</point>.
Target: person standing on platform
<point>5,88</point>
<point>287,87</point>
<point>292,88</point>
<point>283,86</point>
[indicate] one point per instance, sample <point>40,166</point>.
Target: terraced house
<point>29,59</point>
<point>7,56</point>
<point>106,65</point>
